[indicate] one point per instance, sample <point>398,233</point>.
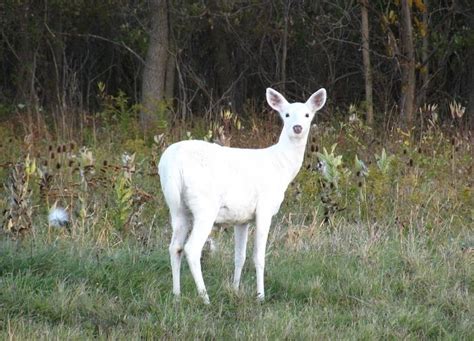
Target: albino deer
<point>205,183</point>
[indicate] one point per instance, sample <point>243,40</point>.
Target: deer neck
<point>289,155</point>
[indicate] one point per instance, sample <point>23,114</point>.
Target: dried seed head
<point>410,163</point>
<point>359,184</point>
<point>58,149</point>
<point>404,152</point>
<point>72,146</point>
<point>70,163</point>
<point>420,150</point>
<point>105,163</point>
<point>453,141</point>
<point>58,165</point>
<point>50,148</point>
<point>63,148</point>
<point>52,155</point>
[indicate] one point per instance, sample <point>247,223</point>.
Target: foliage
<point>117,111</point>
<point>225,54</point>
<point>18,216</point>
<point>393,252</point>
<point>383,162</point>
<point>123,193</point>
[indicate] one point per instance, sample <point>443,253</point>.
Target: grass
<point>342,284</point>
<point>383,256</point>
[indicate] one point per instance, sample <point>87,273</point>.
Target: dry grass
<point>380,255</point>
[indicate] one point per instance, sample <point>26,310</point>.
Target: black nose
<point>297,129</point>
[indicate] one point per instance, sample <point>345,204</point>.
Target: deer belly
<point>237,209</point>
<point>235,215</point>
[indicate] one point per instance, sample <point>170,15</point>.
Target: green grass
<point>343,283</point>
<point>384,256</point>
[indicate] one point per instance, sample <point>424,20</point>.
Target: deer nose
<point>297,129</point>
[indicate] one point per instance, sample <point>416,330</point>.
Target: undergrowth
<point>374,240</point>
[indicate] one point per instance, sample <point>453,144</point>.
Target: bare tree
<point>407,100</point>
<point>284,53</point>
<point>156,64</point>
<point>425,69</point>
<point>468,8</point>
<point>367,65</point>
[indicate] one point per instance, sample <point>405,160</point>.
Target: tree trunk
<point>470,89</point>
<point>469,116</point>
<point>156,63</point>
<point>407,100</point>
<point>223,63</point>
<point>170,77</point>
<point>284,53</point>
<point>26,54</point>
<point>367,66</point>
<point>425,69</point>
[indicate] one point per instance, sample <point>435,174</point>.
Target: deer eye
<point>307,115</point>
<point>287,115</point>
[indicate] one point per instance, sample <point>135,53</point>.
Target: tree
<point>154,81</point>
<point>425,69</point>
<point>284,52</point>
<point>407,99</point>
<point>468,8</point>
<point>225,53</point>
<point>366,59</point>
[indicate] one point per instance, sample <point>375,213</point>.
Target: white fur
<point>206,183</point>
<point>58,217</point>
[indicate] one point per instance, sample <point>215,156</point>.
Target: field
<point>374,241</point>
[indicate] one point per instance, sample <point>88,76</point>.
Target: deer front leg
<point>240,236</point>
<point>263,222</point>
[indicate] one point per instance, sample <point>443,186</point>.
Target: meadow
<point>373,241</point>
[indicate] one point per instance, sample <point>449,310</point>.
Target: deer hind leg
<point>202,227</point>
<point>181,224</point>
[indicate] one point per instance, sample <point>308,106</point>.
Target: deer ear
<point>317,100</point>
<point>276,100</point>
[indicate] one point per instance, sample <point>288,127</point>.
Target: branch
<point>95,36</point>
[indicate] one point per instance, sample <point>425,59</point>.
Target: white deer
<point>205,183</point>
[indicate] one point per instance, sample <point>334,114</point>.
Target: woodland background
<point>60,61</point>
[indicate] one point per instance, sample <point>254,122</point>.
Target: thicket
<point>58,58</point>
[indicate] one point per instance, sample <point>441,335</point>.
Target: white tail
<point>205,183</point>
